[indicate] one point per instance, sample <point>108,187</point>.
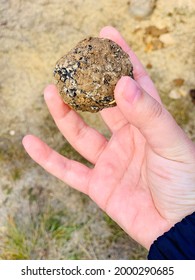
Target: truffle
<point>87,75</point>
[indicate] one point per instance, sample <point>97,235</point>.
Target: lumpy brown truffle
<point>87,75</point>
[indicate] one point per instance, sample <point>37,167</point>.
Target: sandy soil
<point>36,208</point>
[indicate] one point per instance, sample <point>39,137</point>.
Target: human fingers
<point>113,116</point>
<point>155,123</point>
<point>86,140</point>
<point>139,72</point>
<point>72,172</point>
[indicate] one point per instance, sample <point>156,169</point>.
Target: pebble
<point>167,39</point>
<point>12,132</point>
<point>142,8</point>
<point>178,93</point>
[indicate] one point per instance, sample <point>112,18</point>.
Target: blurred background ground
<point>41,217</point>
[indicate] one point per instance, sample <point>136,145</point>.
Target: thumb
<point>152,119</point>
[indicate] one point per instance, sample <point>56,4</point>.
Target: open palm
<point>135,175</point>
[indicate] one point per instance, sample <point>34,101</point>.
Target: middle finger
<point>86,140</point>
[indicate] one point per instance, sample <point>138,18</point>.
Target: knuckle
<point>81,130</point>
<point>156,110</point>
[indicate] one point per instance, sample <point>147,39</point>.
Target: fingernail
<point>49,91</point>
<point>131,90</point>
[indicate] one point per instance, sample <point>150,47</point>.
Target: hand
<point>144,176</point>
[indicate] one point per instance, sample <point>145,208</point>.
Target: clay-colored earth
<point>41,217</point>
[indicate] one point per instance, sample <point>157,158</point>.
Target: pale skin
<point>143,177</point>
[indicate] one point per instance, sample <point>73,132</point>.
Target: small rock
<point>12,132</point>
<point>178,93</point>
<point>167,39</point>
<point>142,8</point>
<point>174,94</point>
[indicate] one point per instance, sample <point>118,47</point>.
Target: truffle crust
<point>87,75</point>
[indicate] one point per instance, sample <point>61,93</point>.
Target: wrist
<point>177,243</point>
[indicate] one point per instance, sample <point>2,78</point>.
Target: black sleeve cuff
<point>176,244</point>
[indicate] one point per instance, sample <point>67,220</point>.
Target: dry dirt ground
<point>41,217</point>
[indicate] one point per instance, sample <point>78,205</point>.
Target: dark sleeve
<point>176,244</point>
